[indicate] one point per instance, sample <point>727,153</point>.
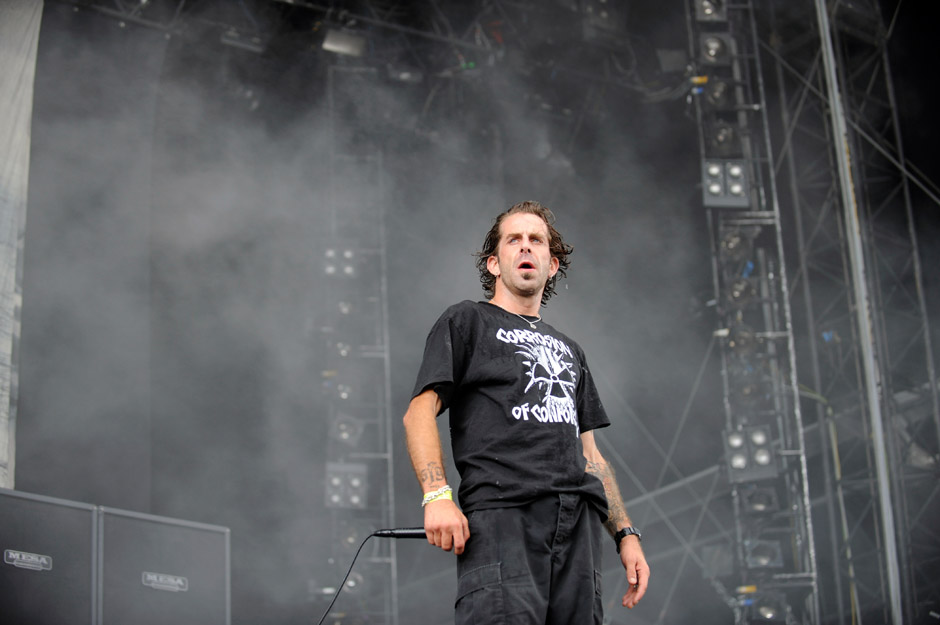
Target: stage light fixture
<point>725,184</point>
<point>602,21</point>
<point>762,457</point>
<point>766,607</point>
<point>747,381</point>
<point>759,437</point>
<point>718,94</point>
<point>345,43</point>
<point>346,429</point>
<point>763,554</point>
<point>346,485</point>
<point>355,583</point>
<point>710,11</point>
<point>336,385</point>
<point>741,293</point>
<point>723,140</point>
<point>715,49</point>
<point>749,454</point>
<point>735,245</point>
<point>742,340</point>
<point>760,500</point>
<point>340,261</point>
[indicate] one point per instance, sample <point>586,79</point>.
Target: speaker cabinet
<point>159,571</point>
<point>48,573</point>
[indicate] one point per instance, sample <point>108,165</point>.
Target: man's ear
<point>492,265</point>
<point>553,265</point>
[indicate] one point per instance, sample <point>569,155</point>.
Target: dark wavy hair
<point>556,246</point>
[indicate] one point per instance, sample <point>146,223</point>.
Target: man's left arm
<point>631,553</point>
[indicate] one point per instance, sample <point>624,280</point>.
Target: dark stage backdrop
<point>84,429</point>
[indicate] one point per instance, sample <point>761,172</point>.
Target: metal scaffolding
<point>866,356</point>
<point>356,375</point>
<point>775,573</point>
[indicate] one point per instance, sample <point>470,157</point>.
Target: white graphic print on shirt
<point>551,371</point>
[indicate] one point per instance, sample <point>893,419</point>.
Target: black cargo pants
<point>535,564</point>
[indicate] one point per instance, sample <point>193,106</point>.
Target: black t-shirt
<point>519,399</point>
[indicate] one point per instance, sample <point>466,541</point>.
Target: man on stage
<point>534,489</point>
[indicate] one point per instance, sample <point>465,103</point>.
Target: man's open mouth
<point>526,265</point>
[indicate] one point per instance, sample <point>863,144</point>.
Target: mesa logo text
<point>25,560</point>
<point>162,581</point>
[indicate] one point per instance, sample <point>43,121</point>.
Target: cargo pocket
<point>598,599</point>
<point>480,597</point>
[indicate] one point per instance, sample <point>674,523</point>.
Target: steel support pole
<point>863,312</point>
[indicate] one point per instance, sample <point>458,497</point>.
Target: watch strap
<point>623,533</point>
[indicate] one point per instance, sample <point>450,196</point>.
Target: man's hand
<point>446,526</point>
<point>638,571</point>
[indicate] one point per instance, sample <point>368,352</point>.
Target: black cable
<point>339,589</point>
<point>406,532</point>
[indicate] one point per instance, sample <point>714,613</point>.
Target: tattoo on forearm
<point>616,511</point>
<point>433,472</point>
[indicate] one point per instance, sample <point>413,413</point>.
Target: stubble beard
<point>526,287</point>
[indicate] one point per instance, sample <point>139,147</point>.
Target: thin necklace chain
<point>531,323</point>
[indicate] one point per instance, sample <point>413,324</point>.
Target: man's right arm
<point>444,523</point>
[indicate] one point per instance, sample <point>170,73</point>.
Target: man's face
<point>523,263</point>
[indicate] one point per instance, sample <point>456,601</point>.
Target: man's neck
<point>518,304</point>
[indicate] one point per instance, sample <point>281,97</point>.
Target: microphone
<point>401,532</point>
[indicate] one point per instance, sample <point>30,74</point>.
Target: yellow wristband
<point>444,492</point>
<point>447,495</point>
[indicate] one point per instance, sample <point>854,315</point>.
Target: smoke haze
<point>175,300</point>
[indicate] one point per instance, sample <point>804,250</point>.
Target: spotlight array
<point>346,485</point>
<point>749,455</point>
<point>725,184</point>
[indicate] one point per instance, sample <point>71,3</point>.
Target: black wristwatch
<point>627,531</point>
